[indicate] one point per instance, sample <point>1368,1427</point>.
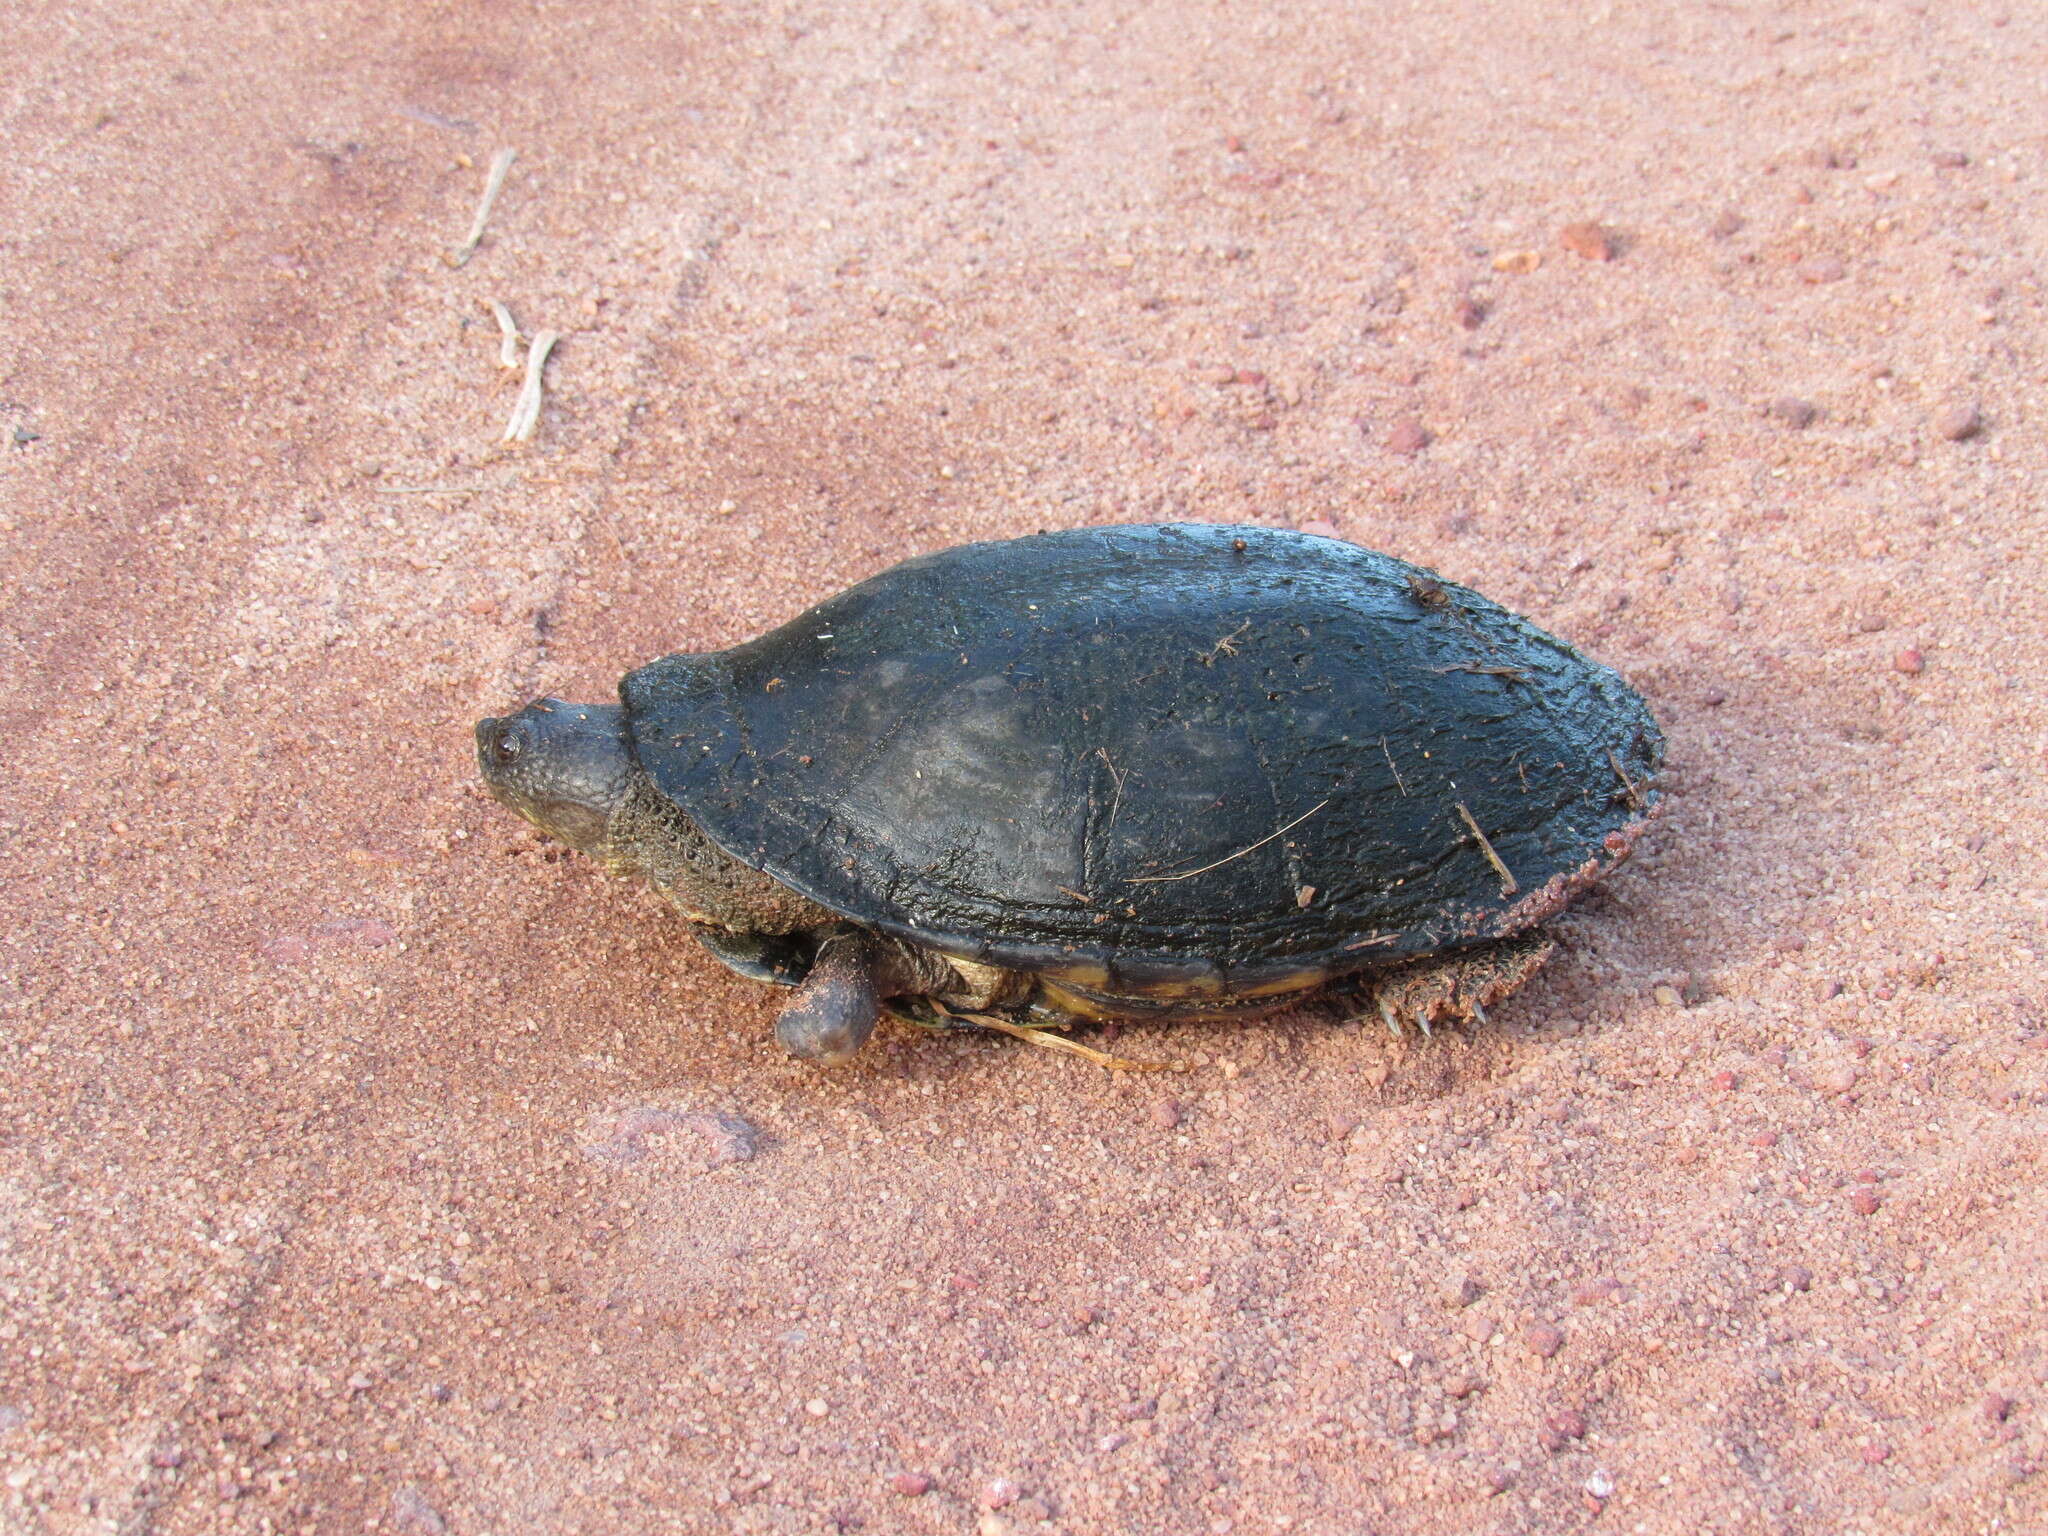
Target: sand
<point>368,1165</point>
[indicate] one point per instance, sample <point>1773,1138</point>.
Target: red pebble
<point>1588,240</point>
<point>910,1484</point>
<point>1407,436</point>
<point>1910,662</point>
<point>1865,1202</point>
<point>1542,1339</point>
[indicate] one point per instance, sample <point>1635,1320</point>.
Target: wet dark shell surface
<point>1170,761</point>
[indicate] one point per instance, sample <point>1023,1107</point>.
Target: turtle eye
<point>506,745</point>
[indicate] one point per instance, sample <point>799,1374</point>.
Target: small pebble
<point>1460,1292</point>
<point>1959,422</point>
<point>1590,1293</point>
<point>992,1525</point>
<point>1727,223</point>
<point>1909,661</point>
<point>1839,1078</point>
<point>1496,1482</point>
<point>1000,1493</point>
<point>910,1485</point>
<point>1877,1455</point>
<point>1600,1485</point>
<point>1521,263</point>
<point>1764,1140</point>
<point>817,1408</point>
<point>1793,412</point>
<point>1797,1276</point>
<point>1588,240</point>
<point>1469,313</point>
<point>1407,436</point>
<point>1462,1387</point>
<point>1542,1340</point>
<point>1822,269</point>
<point>1997,1407</point>
<point>1950,159</point>
<point>1727,1082</point>
<point>1567,1424</point>
<point>1865,1202</point>
<point>1166,1115</point>
<point>1667,996</point>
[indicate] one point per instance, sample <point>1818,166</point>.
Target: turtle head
<point>564,767</point>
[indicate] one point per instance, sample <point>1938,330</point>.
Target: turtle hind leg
<point>1456,988</point>
<point>836,1005</point>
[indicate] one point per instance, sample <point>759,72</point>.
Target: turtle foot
<point>836,1005</point>
<point>1457,988</point>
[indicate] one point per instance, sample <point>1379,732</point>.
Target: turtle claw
<point>1393,1019</point>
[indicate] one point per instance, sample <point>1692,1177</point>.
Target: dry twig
<point>494,183</point>
<point>508,334</point>
<point>1228,857</point>
<point>526,413</point>
<point>1508,887</point>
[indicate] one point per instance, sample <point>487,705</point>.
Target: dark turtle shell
<point>1163,761</point>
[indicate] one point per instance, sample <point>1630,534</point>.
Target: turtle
<point>1166,771</point>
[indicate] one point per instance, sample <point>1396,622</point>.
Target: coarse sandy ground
<point>327,1186</point>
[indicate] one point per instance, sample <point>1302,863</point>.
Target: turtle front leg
<point>1457,988</point>
<point>766,957</point>
<point>836,1005</point>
